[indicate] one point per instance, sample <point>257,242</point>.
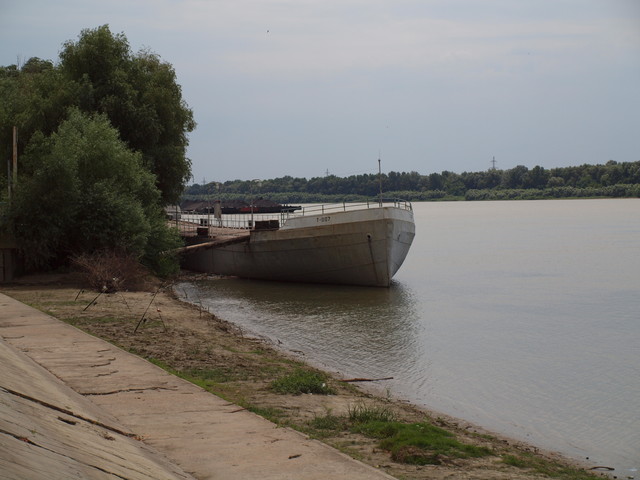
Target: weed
<point>362,413</point>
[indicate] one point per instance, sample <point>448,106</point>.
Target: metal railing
<point>188,223</point>
<point>321,209</point>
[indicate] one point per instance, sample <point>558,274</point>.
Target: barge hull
<point>355,248</point>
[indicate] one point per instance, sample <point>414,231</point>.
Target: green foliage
<point>610,180</point>
<point>86,191</point>
<point>302,381</point>
<point>140,96</point>
<point>98,73</point>
<point>160,241</point>
<point>102,138</point>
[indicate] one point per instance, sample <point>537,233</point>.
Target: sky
<point>308,88</point>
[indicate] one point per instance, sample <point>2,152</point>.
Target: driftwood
<point>366,379</point>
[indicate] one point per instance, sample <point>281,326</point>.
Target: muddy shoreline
<point>185,339</point>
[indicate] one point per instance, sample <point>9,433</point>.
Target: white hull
<point>359,247</point>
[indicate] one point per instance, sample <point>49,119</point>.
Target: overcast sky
<point>306,87</point>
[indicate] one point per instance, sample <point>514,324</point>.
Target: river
<point>520,316</point>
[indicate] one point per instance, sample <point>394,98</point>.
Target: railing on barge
<point>321,209</point>
<point>190,224</point>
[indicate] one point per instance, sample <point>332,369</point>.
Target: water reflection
<point>356,330</point>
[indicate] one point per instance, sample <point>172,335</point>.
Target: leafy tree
<point>87,191</point>
<point>537,177</point>
<point>514,178</point>
<point>34,98</point>
<point>140,96</point>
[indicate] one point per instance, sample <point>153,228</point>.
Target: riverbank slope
<point>195,344</point>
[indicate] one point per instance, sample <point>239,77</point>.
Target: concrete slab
<point>200,433</point>
<point>49,431</point>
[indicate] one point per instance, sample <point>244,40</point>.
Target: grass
<point>328,423</point>
<point>408,443</point>
<point>302,381</point>
<point>204,378</point>
<point>272,414</point>
<point>418,443</point>
<point>547,467</point>
<point>362,413</point>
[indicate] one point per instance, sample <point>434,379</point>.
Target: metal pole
<point>380,179</point>
<point>9,177</point>
<point>15,156</point>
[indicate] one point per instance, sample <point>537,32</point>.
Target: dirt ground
<point>156,325</point>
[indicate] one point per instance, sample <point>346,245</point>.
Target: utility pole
<point>15,156</point>
<point>493,163</point>
<point>12,165</point>
<point>380,178</point>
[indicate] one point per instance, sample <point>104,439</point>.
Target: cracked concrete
<point>47,431</point>
<point>186,432</point>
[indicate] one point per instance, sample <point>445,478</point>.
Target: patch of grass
<point>419,443</point>
<point>272,414</point>
<point>328,422</point>
<point>515,461</point>
<point>363,413</point>
<point>548,467</point>
<point>270,371</point>
<point>210,375</point>
<point>409,443</point>
<point>302,381</point>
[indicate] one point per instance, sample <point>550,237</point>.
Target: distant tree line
<point>612,179</point>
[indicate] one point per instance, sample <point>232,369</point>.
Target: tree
<point>87,191</point>
<point>140,96</point>
<point>514,178</point>
<point>34,98</point>
<point>537,177</point>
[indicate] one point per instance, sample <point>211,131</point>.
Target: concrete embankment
<point>74,406</point>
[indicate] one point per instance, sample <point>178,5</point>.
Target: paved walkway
<point>74,406</point>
